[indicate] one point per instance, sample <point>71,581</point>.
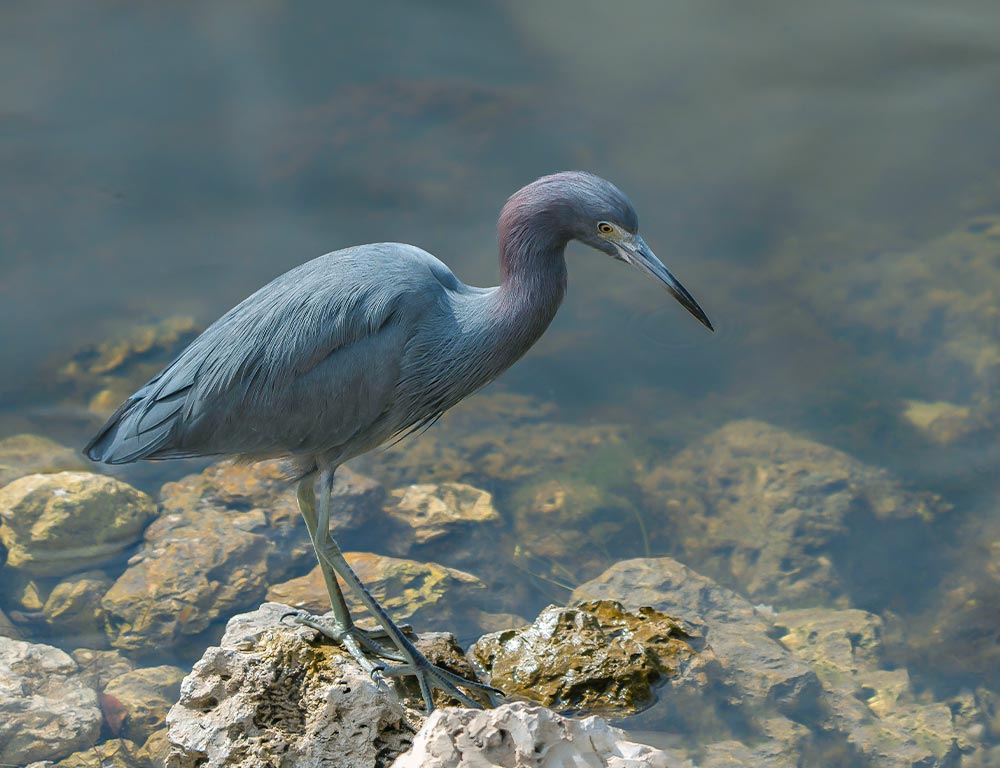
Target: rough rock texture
<point>760,670</point>
<point>145,694</point>
<point>268,691</point>
<point>519,734</point>
<point>594,657</point>
<point>874,707</point>
<point>194,567</point>
<point>567,526</point>
<point>114,753</point>
<point>762,510</point>
<point>410,591</point>
<point>156,749</point>
<point>499,441</point>
<point>447,522</point>
<point>69,521</point>
<point>264,487</point>
<point>956,635</point>
<point>22,455</point>
<point>225,534</point>
<point>97,667</point>
<point>46,712</point>
<point>73,609</point>
<point>825,674</point>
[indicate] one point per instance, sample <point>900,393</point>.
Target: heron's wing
<point>301,364</point>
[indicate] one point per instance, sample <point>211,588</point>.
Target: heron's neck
<point>533,283</point>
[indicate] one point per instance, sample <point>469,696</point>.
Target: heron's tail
<point>141,428</point>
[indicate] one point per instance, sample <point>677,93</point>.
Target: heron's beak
<point>638,254</point>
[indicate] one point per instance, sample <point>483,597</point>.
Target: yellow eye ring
<point>604,228</point>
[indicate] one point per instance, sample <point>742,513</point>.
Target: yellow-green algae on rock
<point>595,656</point>
<point>67,522</point>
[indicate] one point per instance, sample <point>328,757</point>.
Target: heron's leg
<point>428,675</point>
<point>343,630</point>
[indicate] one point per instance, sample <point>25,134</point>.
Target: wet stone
<point>8,628</point>
<point>595,656</point>
<point>114,753</point>
<point>758,670</point>
<point>764,511</point>
<point>155,750</point>
<point>73,609</point>
<point>271,689</point>
<point>427,593</point>
<point>97,667</point>
<point>264,488</point>
<point>567,526</point>
<point>68,522</point>
<point>193,568</point>
<point>498,442</point>
<point>825,673</point>
<point>27,454</point>
<point>46,712</point>
<point>450,522</point>
<point>874,707</point>
<point>146,695</point>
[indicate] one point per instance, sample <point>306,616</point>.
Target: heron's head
<point>574,205</point>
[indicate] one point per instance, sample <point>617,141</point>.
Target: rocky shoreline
<point>137,632</point>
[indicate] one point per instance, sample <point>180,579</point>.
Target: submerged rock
<point>498,442</point>
<point>108,372</point>
<point>224,535</point>
<point>146,695</point>
<point>98,667</point>
<point>949,336</point>
<point>757,670</point>
<point>194,567</point>
<point>821,691</point>
<point>451,522</point>
<point>46,712</point>
<point>8,629</point>
<point>571,525</point>
<point>114,753</point>
<point>269,691</point>
<point>27,454</point>
<point>264,488</point>
<point>519,734</point>
<point>595,657</point>
<point>69,521</point>
<point>763,511</point>
<point>956,634</point>
<point>73,609</point>
<point>874,707</point>
<point>410,591</point>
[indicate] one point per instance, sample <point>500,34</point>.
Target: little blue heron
<point>360,346</point>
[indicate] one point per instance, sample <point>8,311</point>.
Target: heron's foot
<point>354,639</point>
<point>431,677</point>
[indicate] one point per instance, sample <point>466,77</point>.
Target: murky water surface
<point>825,179</point>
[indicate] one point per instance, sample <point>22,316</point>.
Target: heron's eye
<point>604,228</point>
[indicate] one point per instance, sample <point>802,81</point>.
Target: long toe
<point>431,677</point>
<point>366,640</point>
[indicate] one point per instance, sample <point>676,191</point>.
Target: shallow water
<point>824,179</point>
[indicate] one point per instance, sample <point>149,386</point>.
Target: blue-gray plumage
<point>354,348</point>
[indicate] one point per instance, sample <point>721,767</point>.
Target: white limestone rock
<point>526,735</point>
<point>46,712</point>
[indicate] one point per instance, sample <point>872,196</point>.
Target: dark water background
<point>169,158</point>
